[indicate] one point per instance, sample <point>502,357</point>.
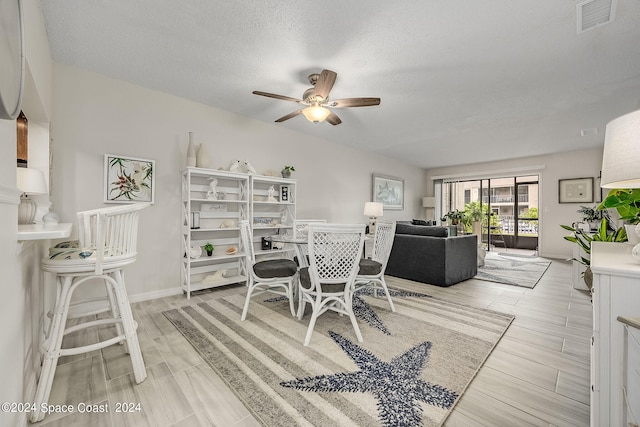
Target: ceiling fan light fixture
<point>316,113</point>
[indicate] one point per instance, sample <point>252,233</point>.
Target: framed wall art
<point>575,190</point>
<point>389,191</point>
<point>128,179</point>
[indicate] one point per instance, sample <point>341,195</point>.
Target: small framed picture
<point>128,179</point>
<point>575,190</point>
<point>284,193</point>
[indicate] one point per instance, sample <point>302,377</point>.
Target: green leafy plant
<point>209,248</point>
<point>626,202</point>
<point>603,234</point>
<point>289,168</point>
<point>591,214</point>
<point>455,216</point>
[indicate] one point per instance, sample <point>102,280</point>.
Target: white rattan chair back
<point>112,232</point>
<point>383,242</point>
<point>246,242</point>
<point>334,252</point>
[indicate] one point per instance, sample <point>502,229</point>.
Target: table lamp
<point>373,210</point>
<point>29,181</point>
<point>621,158</point>
<point>428,203</point>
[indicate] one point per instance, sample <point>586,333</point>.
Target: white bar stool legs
<point>122,318</point>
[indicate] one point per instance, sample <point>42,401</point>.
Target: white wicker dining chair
<point>276,276</point>
<point>328,282</point>
<point>107,243</point>
<point>301,231</point>
<point>371,272</point>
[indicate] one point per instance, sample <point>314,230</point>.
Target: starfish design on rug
<point>395,384</point>
<point>363,310</point>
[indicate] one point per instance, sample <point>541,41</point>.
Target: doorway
<point>503,212</point>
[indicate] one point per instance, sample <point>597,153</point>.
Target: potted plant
<point>286,171</point>
<point>209,248</point>
<point>473,214</point>
<point>593,216</point>
<point>627,203</point>
<point>583,239</point>
<point>454,216</point>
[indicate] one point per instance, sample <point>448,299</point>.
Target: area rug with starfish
<point>517,270</point>
<point>410,370</point>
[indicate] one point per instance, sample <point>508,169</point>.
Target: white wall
<point>574,164</point>
<point>95,115</point>
<point>19,305</point>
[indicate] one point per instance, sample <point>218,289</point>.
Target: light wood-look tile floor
<point>537,375</point>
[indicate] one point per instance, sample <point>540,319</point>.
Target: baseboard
<point>155,294</point>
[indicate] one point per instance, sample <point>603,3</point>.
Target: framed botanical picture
<point>128,179</point>
<point>389,191</point>
<point>575,190</point>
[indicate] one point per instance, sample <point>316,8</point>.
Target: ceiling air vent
<point>594,13</point>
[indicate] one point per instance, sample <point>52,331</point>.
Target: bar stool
<point>106,244</point>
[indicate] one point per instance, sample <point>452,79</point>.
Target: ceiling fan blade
<point>353,102</point>
<point>273,95</point>
<point>333,119</point>
<point>325,82</point>
<point>288,116</point>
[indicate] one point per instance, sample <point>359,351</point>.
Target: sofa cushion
<point>421,230</point>
<point>419,222</point>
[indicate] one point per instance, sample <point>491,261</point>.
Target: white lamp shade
<point>428,202</point>
<point>31,181</point>
<point>374,209</point>
<point>621,157</point>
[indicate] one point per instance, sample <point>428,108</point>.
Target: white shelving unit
<point>273,211</point>
<point>212,220</point>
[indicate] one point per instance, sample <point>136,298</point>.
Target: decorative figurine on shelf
<point>249,169</point>
<point>283,217</point>
<point>212,194</point>
<point>235,166</point>
<point>270,194</point>
<point>218,276</point>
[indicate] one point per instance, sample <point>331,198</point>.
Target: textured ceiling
<point>460,81</point>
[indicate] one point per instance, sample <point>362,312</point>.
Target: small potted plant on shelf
<point>209,248</point>
<point>454,216</point>
<point>286,171</point>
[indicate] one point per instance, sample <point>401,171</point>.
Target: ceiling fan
<point>316,100</point>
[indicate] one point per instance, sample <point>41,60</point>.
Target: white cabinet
<point>631,371</point>
<point>616,292</point>
<point>273,211</point>
<point>209,218</point>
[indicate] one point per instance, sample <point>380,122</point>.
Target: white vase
<point>202,159</point>
<point>632,236</point>
<point>191,151</point>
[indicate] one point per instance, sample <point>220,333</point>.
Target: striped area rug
<point>411,369</point>
<point>517,270</point>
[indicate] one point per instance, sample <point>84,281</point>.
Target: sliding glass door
<point>503,212</point>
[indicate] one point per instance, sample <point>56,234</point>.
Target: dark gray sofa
<point>425,254</point>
